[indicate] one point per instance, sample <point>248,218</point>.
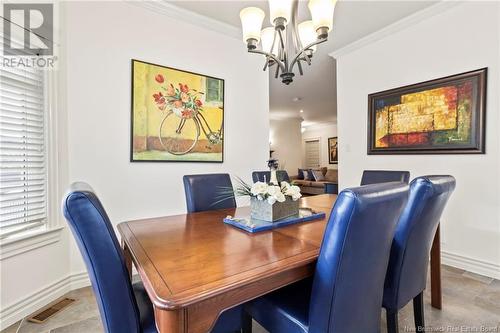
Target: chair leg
<point>246,322</point>
<point>392,321</point>
<point>418,312</point>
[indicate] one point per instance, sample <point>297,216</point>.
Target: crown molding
<point>175,12</point>
<point>395,27</point>
<point>320,125</point>
<point>283,116</point>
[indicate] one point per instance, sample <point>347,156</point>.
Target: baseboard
<point>470,264</point>
<point>17,311</point>
<point>79,280</point>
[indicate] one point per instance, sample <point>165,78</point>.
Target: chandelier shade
<point>251,23</point>
<point>307,34</point>
<point>267,38</point>
<point>322,13</point>
<point>280,11</point>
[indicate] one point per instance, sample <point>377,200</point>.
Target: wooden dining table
<point>194,266</point>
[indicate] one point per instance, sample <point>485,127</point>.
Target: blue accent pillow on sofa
<point>300,174</point>
<point>310,175</point>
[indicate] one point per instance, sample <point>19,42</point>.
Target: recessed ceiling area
<point>315,91</point>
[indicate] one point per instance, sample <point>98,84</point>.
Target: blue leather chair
<point>124,307</point>
<point>384,176</point>
<point>345,294</point>
<point>201,192</point>
<point>265,176</point>
<point>407,270</point>
<point>201,195</point>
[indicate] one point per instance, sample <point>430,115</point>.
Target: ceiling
<point>315,90</point>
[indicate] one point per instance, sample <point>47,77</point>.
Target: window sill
<point>16,246</point>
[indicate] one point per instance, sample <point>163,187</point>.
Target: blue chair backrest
<point>208,192</point>
<point>265,176</point>
<point>407,272</point>
<point>349,279</point>
<point>384,176</point>
<point>103,257</point>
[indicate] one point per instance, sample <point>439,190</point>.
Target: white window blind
<point>312,154</point>
<point>23,176</point>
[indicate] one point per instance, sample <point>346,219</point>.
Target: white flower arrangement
<point>261,191</point>
<point>274,193</point>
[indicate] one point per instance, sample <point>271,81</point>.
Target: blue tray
<point>253,225</point>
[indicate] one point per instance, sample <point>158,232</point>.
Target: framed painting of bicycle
<point>177,116</point>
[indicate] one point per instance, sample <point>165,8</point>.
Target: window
<point>312,153</point>
<point>23,176</point>
<point>214,90</point>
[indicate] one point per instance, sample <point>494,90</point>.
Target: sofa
<point>316,181</point>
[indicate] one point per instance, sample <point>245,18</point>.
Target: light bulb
<point>251,23</point>
<point>281,10</point>
<point>307,34</point>
<point>322,13</point>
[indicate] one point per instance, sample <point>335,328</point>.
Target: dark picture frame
<point>466,111</point>
<point>333,150</point>
<point>220,131</point>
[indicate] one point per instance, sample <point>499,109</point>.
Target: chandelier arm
<point>268,65</point>
<point>277,72</point>
<point>272,48</point>
<point>297,56</point>
<point>274,41</point>
<point>265,65</point>
<point>297,44</point>
<point>283,51</point>
<point>282,43</point>
<point>300,68</point>
<point>270,55</point>
<point>307,59</point>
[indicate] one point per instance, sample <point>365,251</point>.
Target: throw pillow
<point>300,174</point>
<point>332,175</point>
<point>310,175</point>
<point>318,175</point>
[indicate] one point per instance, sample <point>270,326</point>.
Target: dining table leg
<point>436,293</point>
<point>128,258</point>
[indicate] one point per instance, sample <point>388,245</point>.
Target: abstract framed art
<point>333,155</point>
<point>177,116</point>
<point>442,116</point>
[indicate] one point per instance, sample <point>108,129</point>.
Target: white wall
<point>321,132</point>
<point>463,38</point>
<point>285,138</point>
<point>99,40</point>
<point>37,271</point>
<point>32,279</point>
<point>98,84</point>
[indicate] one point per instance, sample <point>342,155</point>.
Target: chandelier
<point>287,43</point>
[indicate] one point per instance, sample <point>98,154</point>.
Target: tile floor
<point>471,304</point>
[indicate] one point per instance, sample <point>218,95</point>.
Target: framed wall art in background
<point>442,116</point>
<point>333,152</point>
<point>177,116</point>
